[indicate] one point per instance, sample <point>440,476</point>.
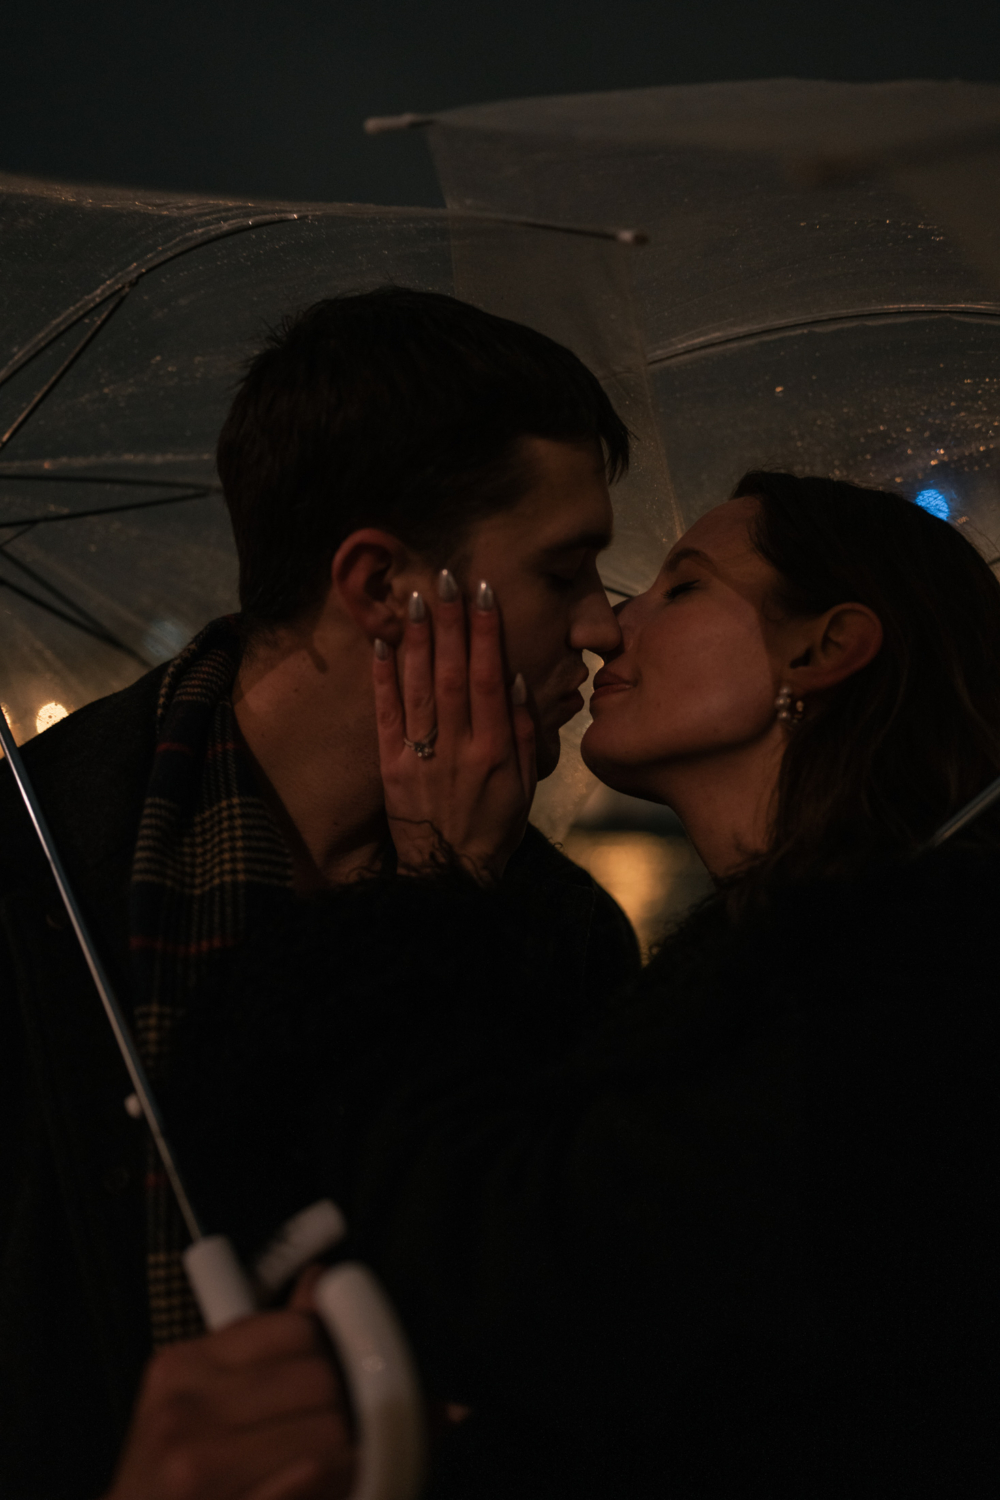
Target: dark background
<point>265,98</point>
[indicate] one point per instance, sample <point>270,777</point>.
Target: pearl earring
<point>789,712</point>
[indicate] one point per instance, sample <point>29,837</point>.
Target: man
<point>380,446</point>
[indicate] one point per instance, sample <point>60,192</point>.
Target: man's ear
<point>366,577</point>
<point>839,644</point>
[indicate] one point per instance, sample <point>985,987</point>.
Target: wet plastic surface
<point>820,292</point>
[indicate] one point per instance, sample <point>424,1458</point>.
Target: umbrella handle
<point>371,1347</point>
<point>221,1287</point>
<point>381,1379</point>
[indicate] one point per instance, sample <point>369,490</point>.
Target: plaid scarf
<point>205,838</point>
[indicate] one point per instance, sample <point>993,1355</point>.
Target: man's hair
<point>392,408</point>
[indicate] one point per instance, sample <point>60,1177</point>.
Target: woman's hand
<point>458,749</point>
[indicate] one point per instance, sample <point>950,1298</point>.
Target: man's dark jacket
<point>73,1314</point>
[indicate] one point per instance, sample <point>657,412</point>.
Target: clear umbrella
<point>840,328</point>
<point>125,322</point>
<point>820,292</point>
<point>822,284</point>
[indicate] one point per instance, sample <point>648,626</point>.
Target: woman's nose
<point>629,613</point>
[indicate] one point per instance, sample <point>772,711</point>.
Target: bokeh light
<point>655,880</point>
<point>10,722</point>
<point>935,503</point>
<point>165,638</point>
<point>49,714</point>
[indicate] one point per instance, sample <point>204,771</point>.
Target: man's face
<point>540,557</point>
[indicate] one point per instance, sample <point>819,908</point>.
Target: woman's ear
<point>366,580</point>
<point>841,642</point>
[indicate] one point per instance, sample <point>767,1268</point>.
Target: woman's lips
<point>606,683</point>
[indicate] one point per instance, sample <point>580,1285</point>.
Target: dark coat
<point>743,1243</point>
<point>73,1315</point>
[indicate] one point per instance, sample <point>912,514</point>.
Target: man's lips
<point>569,704</point>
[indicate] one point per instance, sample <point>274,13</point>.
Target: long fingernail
<point>519,691</point>
<point>416,608</point>
<point>447,588</point>
<point>381,649</point>
<point>484,596</point>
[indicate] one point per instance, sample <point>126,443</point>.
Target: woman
<point>812,684</point>
<point>741,1242</point>
<point>806,1073</point>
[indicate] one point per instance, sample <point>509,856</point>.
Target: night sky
<point>257,99</point>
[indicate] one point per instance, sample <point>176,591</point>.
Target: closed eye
<point>682,588</point>
<point>568,569</point>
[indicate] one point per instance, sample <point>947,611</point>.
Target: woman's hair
<point>879,762</point>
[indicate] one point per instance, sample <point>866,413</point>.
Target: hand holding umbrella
<point>250,1406</point>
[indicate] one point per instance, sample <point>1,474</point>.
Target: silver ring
<point>422,748</point>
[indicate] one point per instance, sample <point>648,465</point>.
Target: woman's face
<point>700,664</point>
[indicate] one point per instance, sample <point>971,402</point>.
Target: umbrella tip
<point>381,124</point>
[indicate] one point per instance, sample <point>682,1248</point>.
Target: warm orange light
<point>49,714</point>
<point>654,879</point>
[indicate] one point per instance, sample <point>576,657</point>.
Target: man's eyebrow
<point>686,554</point>
<point>584,541</point>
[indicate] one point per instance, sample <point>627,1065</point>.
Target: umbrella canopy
<point>125,322</point>
<point>821,290</point>
<point>798,305</point>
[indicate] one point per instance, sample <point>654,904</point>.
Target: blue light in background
<point>934,502</point>
<point>165,638</point>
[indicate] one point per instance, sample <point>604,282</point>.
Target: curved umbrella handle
<point>374,1355</point>
<point>356,1312</point>
<point>371,1346</point>
<point>382,1382</point>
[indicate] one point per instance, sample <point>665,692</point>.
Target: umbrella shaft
<point>119,1026</point>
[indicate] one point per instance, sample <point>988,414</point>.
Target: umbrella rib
<point>711,342</point>
<point>44,583</point>
<point>25,528</point>
<point>107,510</point>
<point>66,365</point>
<point>185,244</point>
<point>128,479</point>
<point>124,282</point>
<point>99,634</point>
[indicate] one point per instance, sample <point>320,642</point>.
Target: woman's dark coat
<point>743,1243</point>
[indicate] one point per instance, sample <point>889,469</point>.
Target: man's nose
<point>595,625</point>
